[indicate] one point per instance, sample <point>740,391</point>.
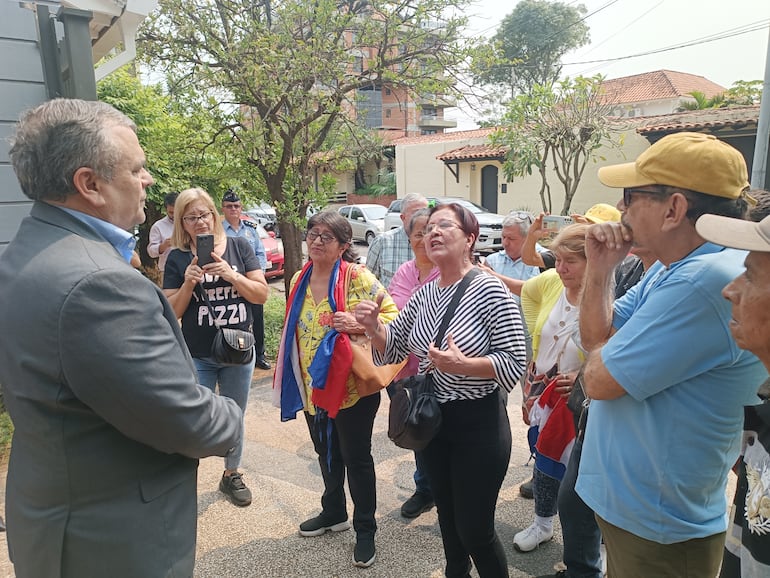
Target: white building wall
<point>419,171</point>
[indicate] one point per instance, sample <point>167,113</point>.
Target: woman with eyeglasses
<point>232,282</point>
<point>313,375</point>
<point>482,352</point>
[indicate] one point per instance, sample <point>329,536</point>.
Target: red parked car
<point>273,249</point>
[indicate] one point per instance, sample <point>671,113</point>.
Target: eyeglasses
<point>521,216</point>
<point>232,206</point>
<point>628,194</point>
<point>325,237</point>
<point>193,219</point>
<point>443,225</point>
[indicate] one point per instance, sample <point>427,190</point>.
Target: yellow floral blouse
<point>315,320</point>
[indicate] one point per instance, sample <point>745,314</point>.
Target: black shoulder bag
<point>415,414</point>
<point>230,346</point>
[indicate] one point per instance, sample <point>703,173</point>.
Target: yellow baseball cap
<point>602,213</point>
<point>687,160</point>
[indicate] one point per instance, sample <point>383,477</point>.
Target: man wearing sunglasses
<point>668,383</point>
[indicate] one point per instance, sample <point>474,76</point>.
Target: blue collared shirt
<point>252,236</point>
<point>123,241</point>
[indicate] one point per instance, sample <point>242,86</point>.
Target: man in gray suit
<point>109,419</point>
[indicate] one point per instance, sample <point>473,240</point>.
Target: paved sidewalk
<point>281,469</point>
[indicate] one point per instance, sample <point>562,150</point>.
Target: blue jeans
<point>234,382</point>
<point>582,537</point>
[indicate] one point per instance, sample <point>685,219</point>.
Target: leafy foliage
<point>742,93</point>
<point>555,128</point>
<point>529,44</point>
<point>279,78</point>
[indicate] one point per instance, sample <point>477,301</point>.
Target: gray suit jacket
<point>109,418</point>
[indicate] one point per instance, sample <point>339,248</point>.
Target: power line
<point>706,39</point>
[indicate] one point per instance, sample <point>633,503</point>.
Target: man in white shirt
<point>160,235</point>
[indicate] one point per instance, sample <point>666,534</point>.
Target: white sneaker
<point>530,538</point>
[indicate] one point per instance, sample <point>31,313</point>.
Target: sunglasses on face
<point>628,194</point>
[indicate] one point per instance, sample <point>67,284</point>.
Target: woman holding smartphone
<point>232,280</point>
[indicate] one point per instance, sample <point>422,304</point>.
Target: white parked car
<point>366,220</point>
<point>490,224</point>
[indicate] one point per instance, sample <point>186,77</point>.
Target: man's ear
<point>87,185</point>
<point>676,211</point>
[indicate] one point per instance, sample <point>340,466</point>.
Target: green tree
<point>701,101</point>
<point>530,42</point>
<point>556,128</point>
<point>282,77</point>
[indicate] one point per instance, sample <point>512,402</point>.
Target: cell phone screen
<point>204,244</point>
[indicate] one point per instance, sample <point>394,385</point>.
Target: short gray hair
<point>418,214</point>
<point>54,140</point>
<point>412,198</point>
<point>520,219</point>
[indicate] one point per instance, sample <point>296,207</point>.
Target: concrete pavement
<point>282,471</point>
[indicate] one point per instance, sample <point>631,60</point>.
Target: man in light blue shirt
<point>667,381</point>
<point>507,264</point>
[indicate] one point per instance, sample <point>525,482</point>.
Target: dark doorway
<point>489,188</point>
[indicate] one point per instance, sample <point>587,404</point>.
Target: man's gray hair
<point>520,219</point>
<point>410,199</point>
<point>54,140</point>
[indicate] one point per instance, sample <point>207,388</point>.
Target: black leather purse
<point>415,414</point>
<point>230,346</point>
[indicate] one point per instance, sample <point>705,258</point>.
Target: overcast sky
<point>621,28</point>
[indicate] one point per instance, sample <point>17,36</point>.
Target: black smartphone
<point>204,245</point>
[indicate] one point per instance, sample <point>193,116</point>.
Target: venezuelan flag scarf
<point>331,363</point>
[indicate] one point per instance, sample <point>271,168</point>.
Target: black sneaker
<point>364,552</point>
<point>526,489</point>
<point>233,487</point>
<point>416,505</point>
<point>320,525</point>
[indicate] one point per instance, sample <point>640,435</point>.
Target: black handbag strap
<point>202,293</point>
<point>450,310</point>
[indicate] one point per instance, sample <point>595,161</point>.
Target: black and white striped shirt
<point>487,322</point>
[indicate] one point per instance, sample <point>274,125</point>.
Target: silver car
<point>366,220</point>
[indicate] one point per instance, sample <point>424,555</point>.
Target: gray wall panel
<point>17,22</point>
<point>24,65</point>
<point>18,96</point>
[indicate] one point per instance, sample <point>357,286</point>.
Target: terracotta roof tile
<point>658,85</point>
<point>700,119</point>
<point>444,137</point>
<point>471,152</point>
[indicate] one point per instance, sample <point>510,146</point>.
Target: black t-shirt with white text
<point>230,308</point>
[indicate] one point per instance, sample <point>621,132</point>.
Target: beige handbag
<point>370,378</point>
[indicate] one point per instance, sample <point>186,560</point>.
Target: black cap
<point>231,197</point>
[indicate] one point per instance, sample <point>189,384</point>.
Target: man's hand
<point>607,244</point>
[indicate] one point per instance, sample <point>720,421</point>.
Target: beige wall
<point>418,170</point>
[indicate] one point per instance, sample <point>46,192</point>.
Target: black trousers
<point>258,328</point>
<point>344,444</point>
<point>466,463</point>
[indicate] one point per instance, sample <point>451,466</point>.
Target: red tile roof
<point>658,85</point>
<point>477,133</point>
<point>471,152</point>
<point>711,118</point>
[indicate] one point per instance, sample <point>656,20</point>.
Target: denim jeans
<point>346,442</point>
<point>581,534</point>
<point>234,382</point>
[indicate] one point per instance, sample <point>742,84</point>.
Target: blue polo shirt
<point>655,461</point>
<point>250,233</point>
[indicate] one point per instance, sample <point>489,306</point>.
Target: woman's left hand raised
<point>450,361</point>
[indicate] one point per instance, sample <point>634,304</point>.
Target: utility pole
<point>759,164</point>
